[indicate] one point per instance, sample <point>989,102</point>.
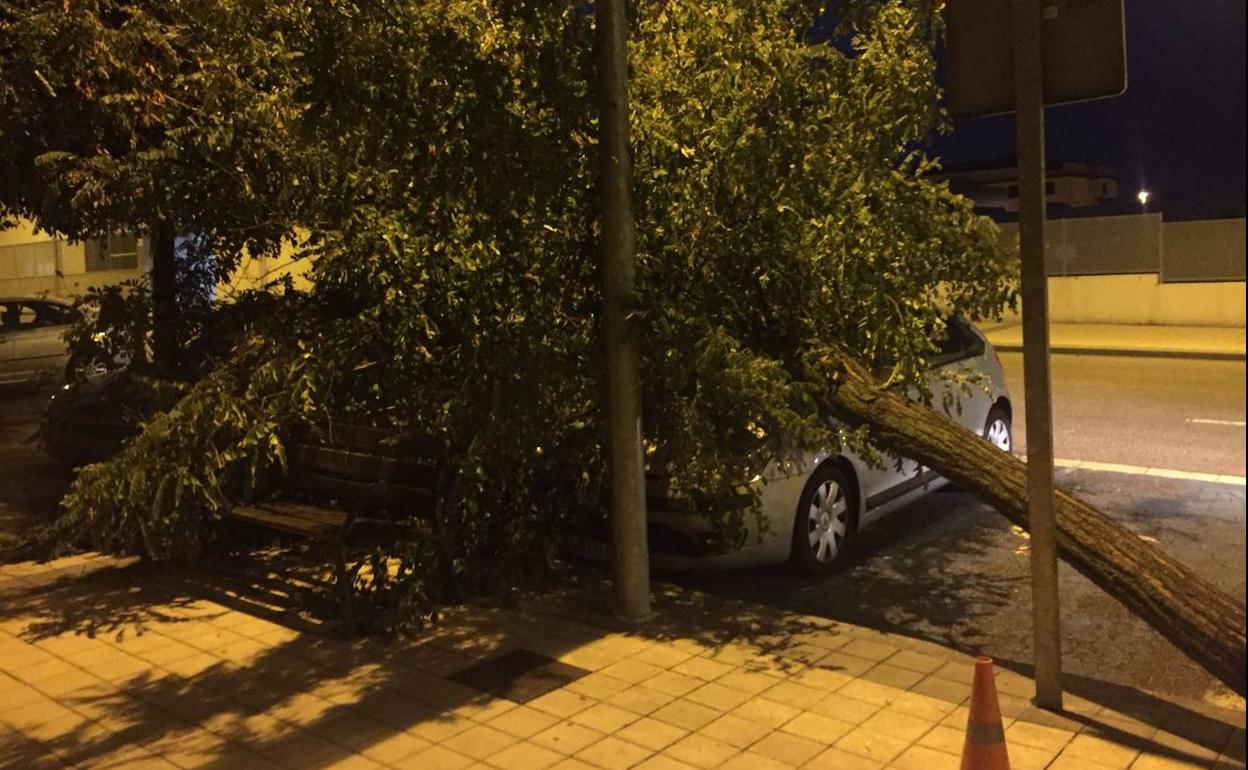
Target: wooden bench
<point>358,486</point>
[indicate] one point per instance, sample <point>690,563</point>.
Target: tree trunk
<point>164,300</point>
<point>1194,615</point>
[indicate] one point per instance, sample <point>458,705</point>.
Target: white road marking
<point>1140,470</point>
<point>1202,421</point>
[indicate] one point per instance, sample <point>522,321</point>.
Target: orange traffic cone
<point>985,739</point>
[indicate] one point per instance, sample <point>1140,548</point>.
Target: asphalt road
<point>1151,412</point>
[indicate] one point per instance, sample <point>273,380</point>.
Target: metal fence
<point>1206,250</point>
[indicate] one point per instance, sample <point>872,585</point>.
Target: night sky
<point>1179,129</point>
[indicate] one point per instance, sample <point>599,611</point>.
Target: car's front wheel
<point>88,367</point>
<point>997,429</point>
<point>822,524</point>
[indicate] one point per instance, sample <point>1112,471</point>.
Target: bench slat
<point>360,466</point>
<point>396,498</point>
<point>304,520</point>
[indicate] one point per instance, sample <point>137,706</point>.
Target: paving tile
<point>871,692</point>
<point>956,671</point>
<point>354,731</point>
<point>524,756</point>
<point>663,656</point>
<point>735,730</point>
<point>717,696</point>
<point>835,759</point>
<point>651,733</point>
<point>522,721</point>
<point>844,663</point>
<point>791,749</point>
<point>1068,762</point>
<point>480,742</point>
<point>922,706</point>
<point>1150,761</point>
<point>562,703</point>
<point>901,678</point>
<point>701,751</point>
<point>44,669</point>
<point>943,689</point>
<point>437,758</point>
<point>844,708</point>
<point>916,661</point>
<point>611,753</point>
<point>604,718</point>
<point>1037,736</point>
<point>568,737</point>
<point>640,699</point>
<point>796,695</point>
<point>751,761</point>
<point>674,684</point>
<point>1094,748</point>
<point>872,745</point>
<point>569,763</point>
<point>766,712</point>
<point>663,762</point>
<point>1028,758</point>
<point>898,724</point>
<point>924,758</point>
<point>943,738</point>
<point>750,682</point>
<point>816,727</point>
<point>599,686</point>
<point>434,729</point>
<point>632,670</point>
<point>702,668</point>
<point>686,714</point>
<point>864,648</point>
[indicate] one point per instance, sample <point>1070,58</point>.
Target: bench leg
<point>344,582</point>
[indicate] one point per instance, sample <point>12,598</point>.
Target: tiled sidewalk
<point>106,666</point>
<point>1124,339</point>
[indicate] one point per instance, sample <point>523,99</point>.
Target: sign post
<point>1029,95</point>
<point>1062,51</point>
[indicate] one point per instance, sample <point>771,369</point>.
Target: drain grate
<point>520,675</point>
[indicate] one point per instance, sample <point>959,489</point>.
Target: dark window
<point>959,341</point>
<point>1050,188</point>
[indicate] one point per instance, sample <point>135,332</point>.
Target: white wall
<point>1144,299</point>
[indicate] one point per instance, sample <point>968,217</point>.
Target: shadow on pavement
<point>234,691</point>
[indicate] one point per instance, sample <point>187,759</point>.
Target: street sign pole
<point>630,558</point>
<point>1029,95</point>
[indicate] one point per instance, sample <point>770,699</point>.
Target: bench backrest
<point>367,469</point>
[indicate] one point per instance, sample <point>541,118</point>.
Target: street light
<point>1142,197</point>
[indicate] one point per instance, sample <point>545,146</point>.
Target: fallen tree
<point>1189,611</point>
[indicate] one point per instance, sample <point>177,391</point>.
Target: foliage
<point>784,205</point>
<point>121,115</point>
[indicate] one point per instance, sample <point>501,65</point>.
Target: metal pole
<point>630,557</point>
<point>1029,91</point>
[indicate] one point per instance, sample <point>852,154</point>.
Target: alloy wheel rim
<point>999,435</point>
<point>827,521</point>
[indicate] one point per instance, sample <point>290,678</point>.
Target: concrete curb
<point>1208,355</point>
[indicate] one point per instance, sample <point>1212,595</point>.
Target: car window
<point>957,341</point>
<point>52,314</point>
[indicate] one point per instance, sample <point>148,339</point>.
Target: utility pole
<point>1029,95</point>
<point>630,558</point>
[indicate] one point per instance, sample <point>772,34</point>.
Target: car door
<point>37,346</point>
<point>8,330</point>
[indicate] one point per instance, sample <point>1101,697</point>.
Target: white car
<point>808,511</point>
<point>32,338</point>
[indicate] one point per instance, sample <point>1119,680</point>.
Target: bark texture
<point>1193,614</point>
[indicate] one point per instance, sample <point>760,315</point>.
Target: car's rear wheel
<point>822,524</point>
<point>997,429</point>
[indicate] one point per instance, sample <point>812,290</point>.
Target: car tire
<point>823,520</point>
<point>88,366</point>
<point>997,430</point>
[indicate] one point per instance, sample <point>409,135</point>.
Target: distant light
<point>1142,197</point>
